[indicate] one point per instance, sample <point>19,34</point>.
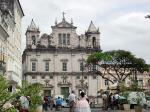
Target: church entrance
<point>47,92</point>
<point>65,92</point>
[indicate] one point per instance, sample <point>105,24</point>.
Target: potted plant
<point>123,99</point>
<point>138,107</point>
<point>126,104</point>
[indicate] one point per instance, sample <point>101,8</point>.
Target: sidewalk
<point>92,110</point>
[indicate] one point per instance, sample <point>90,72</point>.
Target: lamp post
<point>97,89</point>
<point>82,68</point>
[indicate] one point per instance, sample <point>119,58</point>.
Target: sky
<point>122,23</point>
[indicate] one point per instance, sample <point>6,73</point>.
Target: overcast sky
<point>121,22</point>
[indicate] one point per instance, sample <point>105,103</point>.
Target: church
<point>57,60</point>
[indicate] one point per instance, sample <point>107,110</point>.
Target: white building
<point>10,41</point>
<point>56,60</point>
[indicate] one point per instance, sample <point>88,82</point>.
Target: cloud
<point>122,23</point>
<point>129,32</point>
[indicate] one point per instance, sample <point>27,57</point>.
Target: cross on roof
<point>63,13</point>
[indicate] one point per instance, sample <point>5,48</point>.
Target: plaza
<point>100,110</point>
<point>50,48</point>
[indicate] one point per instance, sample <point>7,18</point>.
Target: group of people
<point>79,105</point>
<point>110,101</point>
<point>75,105</point>
<point>48,103</point>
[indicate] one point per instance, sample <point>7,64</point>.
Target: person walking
<point>111,101</point>
<point>116,98</point>
<point>45,105</point>
<point>51,103</point>
<point>82,105</point>
<point>72,101</point>
<point>105,101</point>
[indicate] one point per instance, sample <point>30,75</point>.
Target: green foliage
<point>11,110</point>
<point>134,85</point>
<point>122,63</point>
<point>125,94</point>
<point>122,87</point>
<point>5,96</point>
<point>97,57</point>
<point>149,82</point>
<point>138,100</point>
<point>148,92</point>
<point>33,91</point>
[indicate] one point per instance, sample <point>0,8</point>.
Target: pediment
<point>64,24</point>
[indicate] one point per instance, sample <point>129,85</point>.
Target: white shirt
<point>116,96</point>
<point>24,102</point>
<point>72,97</point>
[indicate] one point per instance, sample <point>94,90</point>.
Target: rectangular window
<point>81,66</point>
<point>10,89</point>
<point>94,77</point>
<point>33,40</point>
<point>51,77</point>
<point>115,81</point>
<point>33,77</point>
<point>60,38</point>
<point>33,66</point>
<point>106,82</point>
<point>47,66</point>
<point>94,67</point>
<point>68,39</point>
<point>64,39</point>
<point>43,77</point>
<point>64,66</point>
<point>85,77</point>
<point>140,82</point>
<point>78,77</point>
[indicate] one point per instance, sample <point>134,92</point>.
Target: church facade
<point>57,60</point>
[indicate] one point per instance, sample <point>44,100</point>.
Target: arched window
<point>33,40</point>
<point>94,42</point>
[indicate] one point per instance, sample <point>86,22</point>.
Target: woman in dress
<point>82,105</point>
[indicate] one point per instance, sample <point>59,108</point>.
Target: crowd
<point>110,101</point>
<point>76,105</point>
<point>81,104</point>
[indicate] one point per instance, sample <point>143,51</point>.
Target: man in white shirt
<point>72,101</point>
<point>116,100</point>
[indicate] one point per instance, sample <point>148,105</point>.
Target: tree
<point>33,91</point>
<point>5,95</point>
<point>118,64</point>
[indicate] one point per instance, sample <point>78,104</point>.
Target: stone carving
<point>64,78</point>
<point>47,83</point>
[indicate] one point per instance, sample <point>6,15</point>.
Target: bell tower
<point>32,36</point>
<point>93,37</point>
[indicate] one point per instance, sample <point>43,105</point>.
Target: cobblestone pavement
<point>98,110</point>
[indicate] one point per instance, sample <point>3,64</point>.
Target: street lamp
<point>82,80</point>
<point>83,86</point>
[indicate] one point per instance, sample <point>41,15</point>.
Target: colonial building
<point>57,60</point>
<point>10,41</point>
